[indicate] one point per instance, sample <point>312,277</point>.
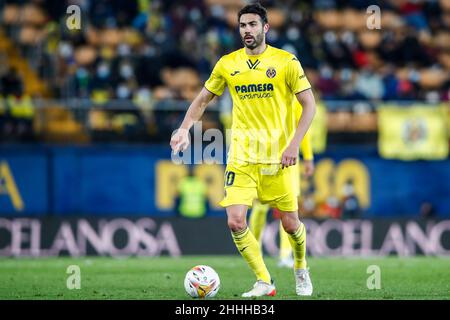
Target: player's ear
<point>266,28</point>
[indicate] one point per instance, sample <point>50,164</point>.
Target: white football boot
<point>303,285</point>
<point>261,288</point>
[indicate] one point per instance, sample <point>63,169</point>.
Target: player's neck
<point>256,51</point>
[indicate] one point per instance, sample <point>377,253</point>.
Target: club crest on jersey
<point>271,72</point>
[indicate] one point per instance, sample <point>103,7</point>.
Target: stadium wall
<point>140,180</point>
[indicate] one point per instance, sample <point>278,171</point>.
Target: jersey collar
<point>268,48</point>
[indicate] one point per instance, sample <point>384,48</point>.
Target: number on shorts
<point>229,178</point>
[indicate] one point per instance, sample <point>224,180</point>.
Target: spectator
<point>21,110</point>
<point>350,203</point>
<point>192,199</point>
<point>328,84</point>
<point>330,208</point>
<point>390,83</point>
<point>308,205</point>
<point>369,84</point>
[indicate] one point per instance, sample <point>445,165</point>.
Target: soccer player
<point>258,215</point>
<point>265,83</point>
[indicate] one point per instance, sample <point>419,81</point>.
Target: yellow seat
<point>353,20</point>
<point>329,19</point>
<point>110,37</point>
<point>99,120</point>
<point>364,122</point>
<point>442,40</point>
<point>432,78</point>
<point>276,17</point>
<point>57,124</point>
<point>338,121</point>
<point>31,14</point>
<point>11,14</point>
<point>370,39</point>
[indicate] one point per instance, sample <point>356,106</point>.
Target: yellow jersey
<point>265,109</point>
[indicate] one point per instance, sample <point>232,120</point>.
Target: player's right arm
<point>214,86</point>
<point>180,140</point>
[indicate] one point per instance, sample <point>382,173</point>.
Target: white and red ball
<point>202,282</point>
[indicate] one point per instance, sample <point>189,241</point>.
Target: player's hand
<point>289,156</point>
<point>308,166</point>
<point>179,141</point>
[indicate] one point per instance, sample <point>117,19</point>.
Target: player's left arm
<point>299,85</point>
<point>306,99</point>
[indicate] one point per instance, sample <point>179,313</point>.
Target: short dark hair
<point>255,8</point>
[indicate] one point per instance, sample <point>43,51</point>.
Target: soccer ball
<point>202,282</point>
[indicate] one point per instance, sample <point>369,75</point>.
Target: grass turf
<point>162,278</point>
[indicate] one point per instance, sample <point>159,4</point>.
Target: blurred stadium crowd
<point>134,66</point>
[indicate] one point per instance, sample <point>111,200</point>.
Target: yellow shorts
<point>272,185</point>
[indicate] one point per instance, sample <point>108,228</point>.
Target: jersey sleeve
<point>306,147</point>
<point>216,82</point>
<point>295,76</point>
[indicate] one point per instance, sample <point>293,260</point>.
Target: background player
<point>258,215</point>
<point>265,83</point>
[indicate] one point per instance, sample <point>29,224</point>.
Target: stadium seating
<point>409,57</point>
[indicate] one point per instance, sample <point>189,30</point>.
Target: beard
<point>256,41</point>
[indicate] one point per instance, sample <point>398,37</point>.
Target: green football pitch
<point>162,278</point>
